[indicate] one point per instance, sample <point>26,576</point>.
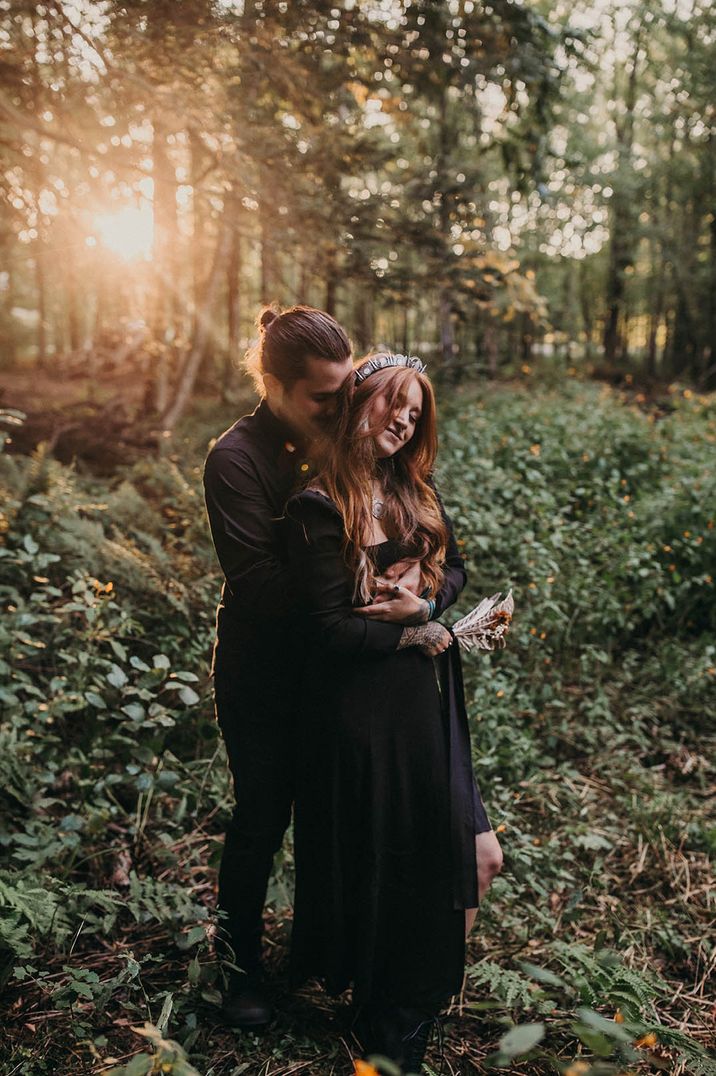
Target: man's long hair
<point>348,464</point>
<point>287,338</point>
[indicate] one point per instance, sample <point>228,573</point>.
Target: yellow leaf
<point>363,1068</point>
<point>577,1068</point>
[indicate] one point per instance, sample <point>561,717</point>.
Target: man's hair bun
<point>267,316</point>
<point>298,333</point>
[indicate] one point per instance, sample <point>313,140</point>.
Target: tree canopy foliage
<point>485,182</point>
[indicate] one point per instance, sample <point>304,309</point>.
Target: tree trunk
<point>685,334</point>
<point>73,315</point>
<point>170,302</point>
<point>38,177</point>
<point>489,343</point>
<point>620,247</point>
<point>657,312</point>
<point>526,338</point>
<point>447,334</point>
<point>7,297</point>
<point>41,286</point>
<point>196,151</point>
<point>708,376</point>
<point>204,332</point>
<point>268,282</point>
<point>331,281</point>
<point>586,300</point>
<point>164,297</point>
<point>304,279</point>
<point>361,333</point>
<point>233,295</point>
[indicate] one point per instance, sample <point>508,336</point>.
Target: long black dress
<point>386,807</point>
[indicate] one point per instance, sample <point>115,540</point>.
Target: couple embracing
<point>338,692</point>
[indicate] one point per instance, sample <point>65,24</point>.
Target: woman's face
<point>403,421</point>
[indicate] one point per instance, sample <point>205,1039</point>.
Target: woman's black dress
<point>386,807</point>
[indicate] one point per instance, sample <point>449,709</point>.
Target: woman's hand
<point>437,642</point>
<point>397,605</point>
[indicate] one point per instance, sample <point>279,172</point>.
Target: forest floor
<point>593,737</point>
<point>32,390</point>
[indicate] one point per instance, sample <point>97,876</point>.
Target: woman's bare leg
<point>489,864</point>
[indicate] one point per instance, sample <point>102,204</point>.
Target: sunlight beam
<point>127,232</point>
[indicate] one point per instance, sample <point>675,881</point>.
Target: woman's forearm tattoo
<point>423,634</point>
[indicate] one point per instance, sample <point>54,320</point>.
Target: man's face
<point>310,402</point>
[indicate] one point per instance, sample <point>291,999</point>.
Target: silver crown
<point>382,362</point>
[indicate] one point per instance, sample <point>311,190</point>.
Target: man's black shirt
<point>249,475</point>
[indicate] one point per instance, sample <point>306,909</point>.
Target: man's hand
<point>406,573</point>
<point>396,605</point>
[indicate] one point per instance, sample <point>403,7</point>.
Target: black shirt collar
<point>278,432</point>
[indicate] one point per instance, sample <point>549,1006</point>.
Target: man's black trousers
<point>252,709</point>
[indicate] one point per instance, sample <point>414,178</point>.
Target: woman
<point>386,807</point>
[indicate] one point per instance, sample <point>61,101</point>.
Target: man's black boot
<point>246,1003</point>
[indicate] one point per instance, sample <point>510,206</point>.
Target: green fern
<point>691,1054</point>
<point>28,910</point>
<point>39,907</point>
<point>15,940</point>
<point>151,899</point>
<point>504,984</point>
<point>601,978</point>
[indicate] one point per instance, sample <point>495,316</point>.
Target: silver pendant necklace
<point>377,507</point>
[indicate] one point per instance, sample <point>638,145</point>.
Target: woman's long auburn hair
<point>348,463</point>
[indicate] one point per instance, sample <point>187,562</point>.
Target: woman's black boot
<point>415,1043</point>
<point>396,1032</point>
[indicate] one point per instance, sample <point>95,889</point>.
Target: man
<point>302,359</point>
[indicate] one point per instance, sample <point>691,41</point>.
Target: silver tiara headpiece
<point>382,362</point>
